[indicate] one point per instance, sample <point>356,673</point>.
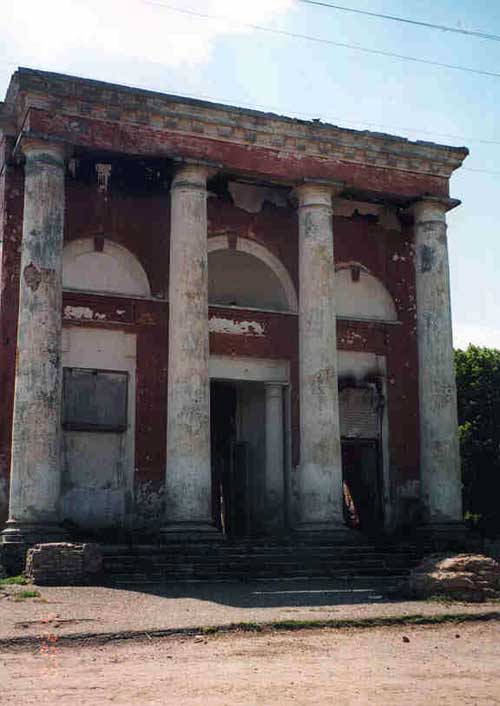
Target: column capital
<point>46,150</point>
<point>432,208</point>
<point>274,388</point>
<point>193,172</point>
<point>317,192</point>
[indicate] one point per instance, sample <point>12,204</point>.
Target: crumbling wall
<point>63,564</point>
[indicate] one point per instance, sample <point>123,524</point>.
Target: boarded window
<point>95,400</point>
<point>359,413</point>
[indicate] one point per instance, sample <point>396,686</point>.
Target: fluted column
<point>320,480</point>
<point>275,456</point>
<point>188,472</point>
<point>440,477</point>
<point>36,465</point>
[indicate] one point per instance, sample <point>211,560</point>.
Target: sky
<point>151,44</point>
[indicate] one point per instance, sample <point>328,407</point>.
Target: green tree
<point>478,388</point>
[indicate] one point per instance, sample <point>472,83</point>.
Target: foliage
<point>13,581</point>
<point>23,595</point>
<point>478,388</point>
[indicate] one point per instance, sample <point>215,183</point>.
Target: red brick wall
<point>389,256</point>
<point>141,224</point>
<point>11,216</point>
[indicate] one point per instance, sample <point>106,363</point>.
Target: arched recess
<point>272,285</point>
<point>112,269</point>
<point>360,295</point>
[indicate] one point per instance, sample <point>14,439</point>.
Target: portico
<point>285,217</point>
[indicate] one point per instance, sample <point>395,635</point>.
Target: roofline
<point>317,125</point>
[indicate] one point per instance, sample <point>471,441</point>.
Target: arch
<point>250,247</point>
<point>361,295</point>
<point>112,270</point>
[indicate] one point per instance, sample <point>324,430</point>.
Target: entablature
<point>92,115</point>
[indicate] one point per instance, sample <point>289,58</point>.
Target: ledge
<point>92,99</point>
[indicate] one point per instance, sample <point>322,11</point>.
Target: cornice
<point>94,99</point>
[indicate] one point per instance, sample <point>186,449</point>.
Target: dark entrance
<point>361,467</point>
<point>230,482</point>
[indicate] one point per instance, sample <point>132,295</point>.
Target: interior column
<point>275,485</point>
<point>440,476</point>
<point>320,473</point>
<point>36,465</point>
<point>188,472</point>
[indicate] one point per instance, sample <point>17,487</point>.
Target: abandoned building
<point>218,321</point>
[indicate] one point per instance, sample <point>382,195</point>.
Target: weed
<point>24,595</point>
<point>13,581</point>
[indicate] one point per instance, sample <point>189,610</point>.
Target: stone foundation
<point>63,564</point>
<point>461,577</point>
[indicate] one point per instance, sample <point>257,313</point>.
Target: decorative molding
<point>188,117</point>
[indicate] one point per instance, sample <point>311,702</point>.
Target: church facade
<point>216,321</point>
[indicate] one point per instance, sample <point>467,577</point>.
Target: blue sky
<point>139,43</point>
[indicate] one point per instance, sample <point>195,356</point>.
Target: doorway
<point>230,472</point>
<point>249,445</point>
<point>363,506</point>
<point>361,407</point>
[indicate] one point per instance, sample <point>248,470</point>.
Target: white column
<point>275,477</point>
<point>188,472</point>
<point>440,476</point>
<point>320,480</point>
<point>36,465</point>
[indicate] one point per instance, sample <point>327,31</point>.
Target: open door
<point>361,412</point>
<point>230,496</point>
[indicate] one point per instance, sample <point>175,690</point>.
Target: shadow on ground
<point>270,594</point>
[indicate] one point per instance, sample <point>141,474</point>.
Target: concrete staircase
<point>354,564</point>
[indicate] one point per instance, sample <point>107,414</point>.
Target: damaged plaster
<point>80,313</point>
<point>236,328</point>
<point>252,198</point>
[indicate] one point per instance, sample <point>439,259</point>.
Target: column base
<point>189,532</point>
<point>18,537</point>
<point>30,533</point>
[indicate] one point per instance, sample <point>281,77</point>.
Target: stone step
<point>246,570</point>
<point>274,556</point>
<point>263,560</point>
<point>249,549</point>
<point>259,569</point>
<point>354,581</point>
<point>252,561</point>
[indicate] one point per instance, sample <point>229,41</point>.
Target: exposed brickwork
<point>271,163</point>
<point>63,564</point>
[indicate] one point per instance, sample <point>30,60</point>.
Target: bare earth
<point>444,665</point>
<point>95,609</point>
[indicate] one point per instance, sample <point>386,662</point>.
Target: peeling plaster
<point>353,337</point>
<point>251,198</point>
<point>237,328</point>
<point>149,504</point>
<point>82,313</point>
<point>409,490</point>
<point>347,208</point>
<point>4,499</point>
<point>32,277</point>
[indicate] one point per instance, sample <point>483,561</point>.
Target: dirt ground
<point>96,609</point>
<point>445,665</point>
